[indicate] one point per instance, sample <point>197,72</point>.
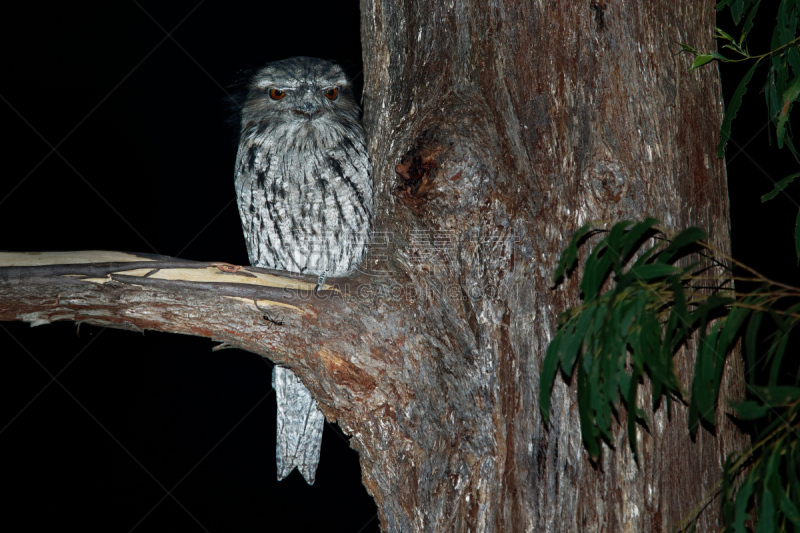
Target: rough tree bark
<point>496,129</point>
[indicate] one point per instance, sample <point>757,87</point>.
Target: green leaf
<point>748,23</point>
<point>730,331</point>
<point>779,187</point>
<point>775,353</point>
<point>792,471</point>
<point>765,485</point>
<point>616,242</point>
<point>721,5</point>
<point>632,409</point>
<point>779,483</point>
<point>654,270</point>
<point>787,99</point>
<point>789,509</point>
<point>728,476</point>
<point>794,60</point>
<point>750,410</point>
<point>735,47</point>
<point>701,60</point>
<point>711,304</point>
<point>570,253</point>
<point>773,88</point>
<point>715,364</point>
<point>787,21</point>
<point>634,236</point>
<point>722,34</point>
<point>698,380</point>
<point>742,498</point>
<point>597,268</point>
<point>736,11</point>
<point>547,378</point>
<point>687,237</point>
<point>777,396</point>
<point>766,513</point>
<point>751,342</point>
<point>681,313</point>
<point>687,48</point>
<point>705,384</point>
<point>733,108</point>
<point>573,339</point>
<point>588,432</point>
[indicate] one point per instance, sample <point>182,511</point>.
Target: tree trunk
<point>496,129</point>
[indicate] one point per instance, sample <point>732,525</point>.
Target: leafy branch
<point>646,294</point>
<point>782,83</point>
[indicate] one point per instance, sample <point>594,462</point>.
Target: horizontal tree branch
<point>228,303</point>
<point>390,369</point>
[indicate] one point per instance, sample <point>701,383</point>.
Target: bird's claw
<point>320,283</point>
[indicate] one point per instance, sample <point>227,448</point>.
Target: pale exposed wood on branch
<point>141,291</point>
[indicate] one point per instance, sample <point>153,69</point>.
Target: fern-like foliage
<point>646,293</point>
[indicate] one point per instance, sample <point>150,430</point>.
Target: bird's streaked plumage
<point>304,192</point>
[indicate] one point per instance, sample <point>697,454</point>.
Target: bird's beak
<point>309,110</point>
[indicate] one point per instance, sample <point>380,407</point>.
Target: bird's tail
<point>299,426</point>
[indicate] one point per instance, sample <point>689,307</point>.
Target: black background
<point>144,163</point>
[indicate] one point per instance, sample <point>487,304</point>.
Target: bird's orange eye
<point>276,94</point>
<point>332,93</point>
